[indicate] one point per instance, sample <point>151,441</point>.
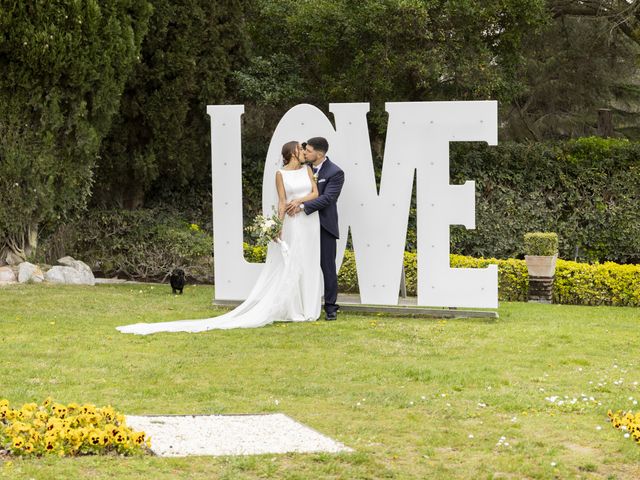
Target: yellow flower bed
<point>627,422</point>
<point>67,430</point>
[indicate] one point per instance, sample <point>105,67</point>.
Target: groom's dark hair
<point>319,143</point>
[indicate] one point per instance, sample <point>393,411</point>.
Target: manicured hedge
<point>586,190</point>
<point>600,284</point>
<point>575,283</point>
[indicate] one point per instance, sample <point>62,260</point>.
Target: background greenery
<point>63,66</point>
<point>414,398</point>
<point>111,115</point>
<point>586,190</point>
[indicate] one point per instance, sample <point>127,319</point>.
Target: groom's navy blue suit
<point>330,181</point>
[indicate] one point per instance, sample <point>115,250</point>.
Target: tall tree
<point>575,66</point>
<point>622,15</point>
<point>160,140</point>
<point>63,66</point>
<point>377,51</point>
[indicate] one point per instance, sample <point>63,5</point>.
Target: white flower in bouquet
<point>265,229</point>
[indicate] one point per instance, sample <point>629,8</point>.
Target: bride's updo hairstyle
<point>288,150</point>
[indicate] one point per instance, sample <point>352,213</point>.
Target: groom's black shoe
<point>332,316</point>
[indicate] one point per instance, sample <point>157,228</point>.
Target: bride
<point>290,285</point>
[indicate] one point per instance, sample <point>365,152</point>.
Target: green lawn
<point>414,398</point>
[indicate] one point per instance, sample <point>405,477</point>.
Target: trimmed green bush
<point>599,284</point>
<point>541,243</point>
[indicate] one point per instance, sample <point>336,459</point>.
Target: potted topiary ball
<point>541,253</point>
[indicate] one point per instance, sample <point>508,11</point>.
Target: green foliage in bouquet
<point>265,229</point>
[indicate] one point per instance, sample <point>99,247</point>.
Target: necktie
<point>315,169</point>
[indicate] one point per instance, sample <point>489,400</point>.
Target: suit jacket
<point>330,181</point>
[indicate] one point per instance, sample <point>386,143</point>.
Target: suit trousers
<point>328,266</point>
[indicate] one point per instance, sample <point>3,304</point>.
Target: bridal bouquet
<point>265,229</point>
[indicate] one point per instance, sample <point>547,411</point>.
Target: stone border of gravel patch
<point>185,435</point>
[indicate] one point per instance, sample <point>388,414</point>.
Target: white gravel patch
<point>184,435</point>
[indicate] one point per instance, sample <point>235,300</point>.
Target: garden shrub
<point>598,284</point>
<point>139,244</point>
<point>541,243</point>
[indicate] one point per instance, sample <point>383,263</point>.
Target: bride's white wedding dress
<point>290,285</point>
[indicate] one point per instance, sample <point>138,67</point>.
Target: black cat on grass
<point>177,280</point>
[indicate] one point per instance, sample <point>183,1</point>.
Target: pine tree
<point>63,66</point>
<point>160,140</point>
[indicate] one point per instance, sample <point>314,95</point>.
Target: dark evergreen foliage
<point>160,141</point>
<point>63,65</point>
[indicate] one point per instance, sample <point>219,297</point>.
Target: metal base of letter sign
<point>406,307</point>
<point>541,289</point>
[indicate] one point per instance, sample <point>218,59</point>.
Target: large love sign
<point>417,143</point>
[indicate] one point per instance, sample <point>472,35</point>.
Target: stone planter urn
<point>542,249</point>
<point>541,265</point>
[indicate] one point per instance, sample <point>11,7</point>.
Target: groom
<point>330,179</point>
